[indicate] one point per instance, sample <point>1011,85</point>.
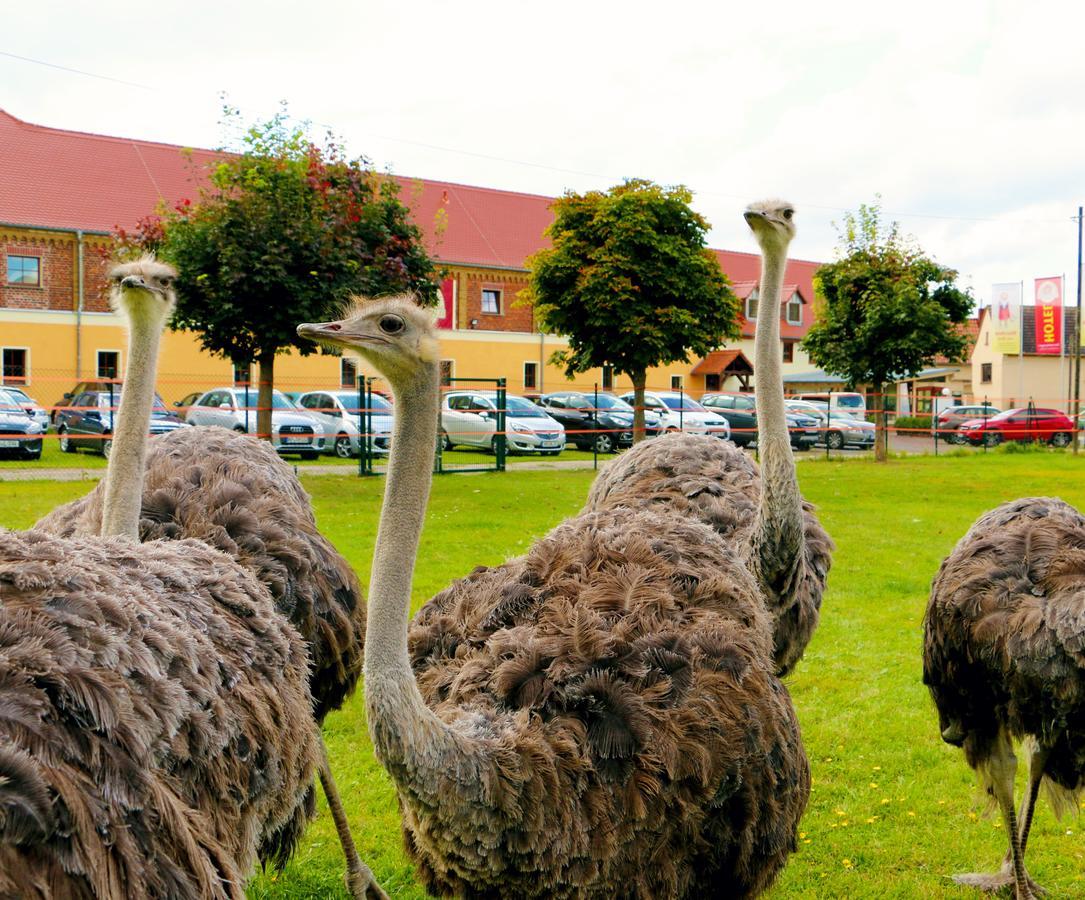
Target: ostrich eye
<point>788,213</point>
<point>166,281</point>
<point>391,324</point>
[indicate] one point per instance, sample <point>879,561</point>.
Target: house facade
<point>65,193</point>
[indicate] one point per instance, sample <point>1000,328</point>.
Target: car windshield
<point>606,401</point>
<point>522,409</point>
<point>10,403</point>
<point>377,403</point>
<point>248,398</point>
<point>683,403</point>
<point>20,396</point>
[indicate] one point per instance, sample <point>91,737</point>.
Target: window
<point>447,371</point>
<point>789,351</point>
<point>491,301</point>
<point>109,364</point>
<point>751,306</point>
<point>348,372</point>
<point>608,378</point>
<point>531,375</point>
<point>242,374</point>
<point>24,270</point>
<point>15,369</point>
<point>676,382</point>
<point>985,373</point>
<point>712,382</point>
<point>794,310</point>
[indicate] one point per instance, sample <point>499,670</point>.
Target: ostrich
<point>156,734</point>
<point>1003,659</point>
<point>235,494</point>
<point>759,512</point>
<point>597,718</point>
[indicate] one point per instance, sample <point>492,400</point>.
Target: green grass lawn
<point>893,812</point>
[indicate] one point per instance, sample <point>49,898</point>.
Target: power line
<point>41,62</point>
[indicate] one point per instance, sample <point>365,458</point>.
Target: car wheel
<point>240,429</point>
<point>956,438</point>
<point>446,444</point>
<point>65,442</point>
<point>992,439</point>
<point>107,447</point>
<point>342,447</point>
<point>1060,439</point>
<point>834,440</point>
<point>604,443</point>
<point>801,445</point>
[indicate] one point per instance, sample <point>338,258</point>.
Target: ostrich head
<point>396,335</point>
<point>143,290</point>
<point>772,223</point>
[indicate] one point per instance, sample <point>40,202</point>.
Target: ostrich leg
<point>359,878</point>
<point>1002,769</point>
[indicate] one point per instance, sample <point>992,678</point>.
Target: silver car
<point>838,430</point>
<point>470,418</point>
<point>292,430</point>
<point>33,409</point>
<point>344,422</point>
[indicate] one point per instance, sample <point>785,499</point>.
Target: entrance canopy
<point>720,365</point>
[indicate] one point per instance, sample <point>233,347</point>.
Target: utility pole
<point>1077,338</point>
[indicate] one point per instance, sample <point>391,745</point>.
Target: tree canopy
<point>629,281</point>
<point>884,310</point>
<point>285,230</point>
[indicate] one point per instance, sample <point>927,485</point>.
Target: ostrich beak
<point>130,282</point>
<point>752,214</point>
<point>316,331</point>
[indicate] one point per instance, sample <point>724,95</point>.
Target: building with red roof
<point>65,192</point>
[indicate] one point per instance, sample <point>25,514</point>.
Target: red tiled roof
<point>743,289</point>
<point>718,361</point>
<point>71,179</point>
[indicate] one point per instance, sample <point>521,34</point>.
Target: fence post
<point>369,425</point>
<point>501,447</point>
<point>362,448</point>
<point>595,436</point>
<point>681,408</point>
<point>829,422</point>
<point>985,424</point>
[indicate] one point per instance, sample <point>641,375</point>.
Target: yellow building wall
<point>1015,380</point>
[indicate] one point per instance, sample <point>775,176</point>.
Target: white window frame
<point>26,366</point>
<point>345,360</point>
<point>98,363</point>
<point>751,298</point>
<point>784,345</point>
<point>23,284</point>
<point>535,363</point>
<point>797,300</point>
<point>481,298</point>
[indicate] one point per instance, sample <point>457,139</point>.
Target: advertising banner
<point>1006,317</point>
<point>1049,315</point>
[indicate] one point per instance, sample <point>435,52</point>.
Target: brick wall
<point>56,252</point>
<point>512,315</point>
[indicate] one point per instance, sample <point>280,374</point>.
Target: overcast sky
<point>967,117</point>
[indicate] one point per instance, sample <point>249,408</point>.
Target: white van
<point>848,402</point>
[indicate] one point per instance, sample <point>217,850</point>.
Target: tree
<point>282,234</point>
<point>628,280</point>
<point>884,310</point>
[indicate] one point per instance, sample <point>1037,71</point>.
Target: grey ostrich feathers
<point>758,511</point>
<point>155,725</point>
<point>234,493</point>
<point>1004,659</point>
<point>597,718</point>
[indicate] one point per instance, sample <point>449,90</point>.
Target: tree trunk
<point>638,405</point>
<point>266,361</point>
<point>881,434</point>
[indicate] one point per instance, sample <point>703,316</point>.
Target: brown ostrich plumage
<point>712,481</point>
<point>620,675</point>
<point>155,726</point>
<point>1004,655</point>
<point>234,493</point>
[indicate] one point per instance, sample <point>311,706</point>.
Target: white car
<point>32,407</point>
<point>344,422</point>
<point>680,412</point>
<point>470,418</point>
<point>292,430</point>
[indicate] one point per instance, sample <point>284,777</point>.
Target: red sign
<point>1049,315</point>
<point>445,319</point>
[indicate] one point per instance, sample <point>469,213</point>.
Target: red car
<point>1030,424</point>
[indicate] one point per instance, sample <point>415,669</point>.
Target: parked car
<point>849,403</point>
<point>83,387</point>
<point>20,434</point>
<point>836,430</point>
<point>344,423</point>
<point>1029,424</point>
<point>87,420</point>
<point>606,426</point>
<point>680,412</point>
<point>30,406</point>
<point>948,422</point>
<point>740,411</point>
<point>292,430</point>
<point>470,418</point>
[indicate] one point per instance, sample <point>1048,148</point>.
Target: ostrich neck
<point>779,531</point>
<point>131,422</point>
<point>399,720</point>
